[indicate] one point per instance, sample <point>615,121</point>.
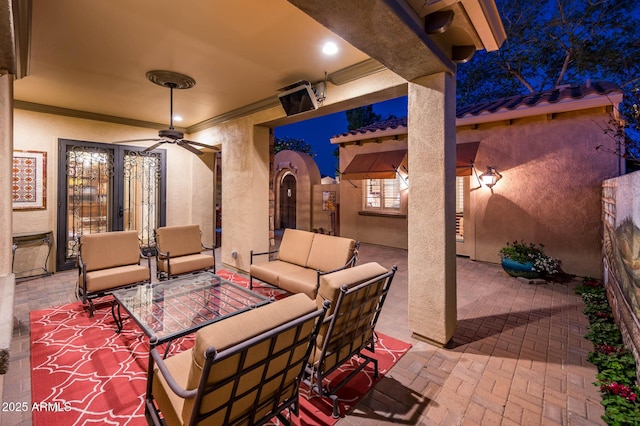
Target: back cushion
<point>237,329</point>
<point>179,240</point>
<point>295,246</point>
<point>328,253</point>
<point>110,249</point>
<point>330,284</point>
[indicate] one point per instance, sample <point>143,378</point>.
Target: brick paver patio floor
<point>517,358</point>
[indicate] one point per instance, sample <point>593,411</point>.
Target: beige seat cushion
<point>295,246</point>
<point>328,253</point>
<point>270,271</point>
<point>188,263</point>
<point>106,279</point>
<point>303,281</point>
<point>109,249</point>
<point>179,240</point>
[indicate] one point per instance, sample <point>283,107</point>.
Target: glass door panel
<point>142,171</point>
<point>89,180</point>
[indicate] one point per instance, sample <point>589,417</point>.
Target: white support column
<point>6,160</point>
<point>432,250</point>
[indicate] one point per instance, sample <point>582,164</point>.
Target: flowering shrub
<point>617,389</point>
<point>522,252</point>
<point>591,282</point>
<point>608,349</point>
<point>616,365</point>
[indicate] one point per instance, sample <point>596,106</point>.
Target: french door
<point>106,187</point>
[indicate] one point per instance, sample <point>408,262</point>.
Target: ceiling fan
<point>172,80</point>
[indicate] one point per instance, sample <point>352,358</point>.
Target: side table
<point>36,247</point>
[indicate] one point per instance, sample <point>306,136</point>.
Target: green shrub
<point>616,365</point>
<point>619,411</point>
<point>604,333</point>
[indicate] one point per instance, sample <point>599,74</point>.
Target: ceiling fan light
<point>177,118</point>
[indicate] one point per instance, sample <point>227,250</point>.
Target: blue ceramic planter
<point>517,269</point>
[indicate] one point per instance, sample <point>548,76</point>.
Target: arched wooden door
<point>288,202</point>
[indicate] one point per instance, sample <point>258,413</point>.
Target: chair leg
<point>376,374</point>
<point>336,408</point>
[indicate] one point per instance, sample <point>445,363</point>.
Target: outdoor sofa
<point>108,261</point>
<point>244,370</point>
<point>302,258</point>
<point>179,251</point>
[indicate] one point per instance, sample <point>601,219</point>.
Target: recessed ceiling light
<point>177,118</point>
<point>330,48</point>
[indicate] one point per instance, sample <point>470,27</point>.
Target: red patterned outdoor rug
<point>83,372</point>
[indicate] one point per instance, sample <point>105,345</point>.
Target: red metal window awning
<point>374,165</point>
<point>465,157</point>
<point>384,164</point>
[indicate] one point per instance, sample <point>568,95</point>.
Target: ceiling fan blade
<point>139,140</point>
<point>154,146</point>
<point>204,145</point>
<point>188,147</point>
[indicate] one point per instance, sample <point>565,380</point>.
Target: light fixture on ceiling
<point>490,177</point>
<point>330,48</point>
<point>177,118</point>
<point>171,80</point>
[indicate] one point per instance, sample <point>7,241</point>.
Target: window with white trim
<point>460,209</point>
<point>382,194</point>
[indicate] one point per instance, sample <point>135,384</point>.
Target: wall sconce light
<point>490,177</point>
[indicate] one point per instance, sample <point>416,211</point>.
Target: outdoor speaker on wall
<point>298,97</point>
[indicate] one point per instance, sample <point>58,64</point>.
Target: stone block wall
<point>621,255</point>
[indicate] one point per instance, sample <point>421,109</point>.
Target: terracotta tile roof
<point>379,126</point>
<point>532,99</point>
<point>561,93</point>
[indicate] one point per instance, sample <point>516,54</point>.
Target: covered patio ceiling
<point>90,58</point>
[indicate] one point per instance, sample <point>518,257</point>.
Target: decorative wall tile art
<point>29,180</point>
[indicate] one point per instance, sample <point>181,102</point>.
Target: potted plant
<point>521,259</point>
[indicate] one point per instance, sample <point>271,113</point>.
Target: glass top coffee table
<point>174,308</point>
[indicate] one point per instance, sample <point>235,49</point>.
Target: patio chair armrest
<point>82,279</point>
<point>162,255</point>
<point>356,253</point>
<point>252,254</point>
<point>148,257</point>
<point>345,266</point>
<point>175,387</point>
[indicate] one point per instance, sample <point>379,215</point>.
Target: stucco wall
<point>40,132</point>
<point>307,174</point>
<point>550,190</point>
<point>322,218</point>
<point>383,230</point>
